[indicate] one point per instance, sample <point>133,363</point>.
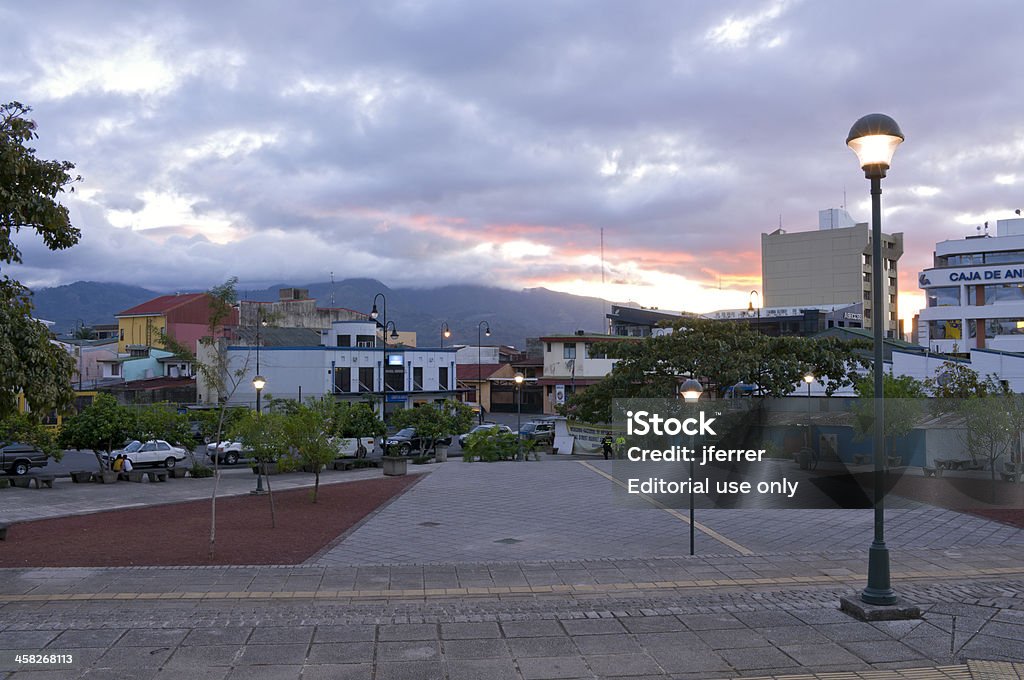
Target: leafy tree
<point>265,435</point>
<point>22,427</point>
<point>29,362</point>
<point>721,354</point>
<point>491,445</point>
<point>357,420</point>
<point>162,421</point>
<point>306,432</point>
<point>435,421</point>
<point>989,428</point>
<point>101,426</point>
<point>84,333</point>
<point>903,407</point>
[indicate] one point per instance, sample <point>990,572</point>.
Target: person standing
<point>606,446</point>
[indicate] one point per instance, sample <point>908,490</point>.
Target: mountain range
<point>512,315</point>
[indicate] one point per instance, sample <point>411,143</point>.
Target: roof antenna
<point>332,289</point>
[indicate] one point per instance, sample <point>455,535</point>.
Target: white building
<point>570,364</point>
<point>975,293</point>
<point>346,366</point>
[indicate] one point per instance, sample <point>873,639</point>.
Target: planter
<point>441,453</point>
<point>895,461</point>
<point>177,472</point>
<point>200,473</point>
<point>105,477</point>
<point>395,466</point>
<point>80,476</point>
<point>4,482</point>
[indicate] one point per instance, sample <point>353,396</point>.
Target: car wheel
<point>404,449</point>
<point>231,458</point>
<point>20,468</point>
<point>170,462</point>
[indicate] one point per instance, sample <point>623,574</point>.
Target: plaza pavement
<point>528,571</point>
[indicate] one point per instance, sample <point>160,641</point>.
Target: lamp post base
<point>878,592</point>
<point>897,611</point>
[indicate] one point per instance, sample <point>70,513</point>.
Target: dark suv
<point>17,459</point>
<point>542,432</point>
<point>405,441</point>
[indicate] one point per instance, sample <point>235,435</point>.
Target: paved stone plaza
<point>528,571</point>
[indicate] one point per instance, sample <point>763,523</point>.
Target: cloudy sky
<point>424,143</point>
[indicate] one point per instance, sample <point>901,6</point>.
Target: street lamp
<point>809,378</point>
<point>751,308</point>
<point>258,383</point>
<point>445,332</point>
<point>874,139</point>
<point>691,391</point>
<point>519,412</point>
<point>480,368</point>
<point>81,337</point>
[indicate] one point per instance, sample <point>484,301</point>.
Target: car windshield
<point>406,432</point>
<point>133,447</point>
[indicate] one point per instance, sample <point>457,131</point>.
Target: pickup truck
<point>17,459</point>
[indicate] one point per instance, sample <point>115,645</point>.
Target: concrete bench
<point>344,464</point>
<point>39,481</point>
<point>1008,476</point>
<point>152,475</point>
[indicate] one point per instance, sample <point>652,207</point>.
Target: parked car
<point>406,441</point>
<point>540,431</point>
<point>359,447</point>
<point>155,452</point>
<point>17,458</point>
<point>481,428</point>
<point>229,452</point>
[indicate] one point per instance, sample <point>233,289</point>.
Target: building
<point>801,321</point>
<point>830,266</point>
<point>571,364</point>
<point>974,293</point>
<point>184,317</point>
<point>638,322</point>
<point>338,365</point>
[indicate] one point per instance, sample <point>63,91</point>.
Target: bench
<point>39,481</point>
<point>152,475</point>
<point>344,464</point>
<point>932,471</point>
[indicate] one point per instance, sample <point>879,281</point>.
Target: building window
<point>588,350</point>
<point>892,299</point>
<point>549,347</point>
<point>344,341</point>
<point>343,379</point>
<point>442,377</point>
<point>115,370</point>
<point>946,329</point>
<point>122,335</point>
<point>994,327</point>
<point>417,378</point>
<point>997,293</point>
<point>366,340</point>
<point>944,296</point>
<point>866,259</point>
<point>569,350</point>
<point>366,379</point>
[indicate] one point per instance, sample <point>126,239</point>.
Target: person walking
<point>606,446</point>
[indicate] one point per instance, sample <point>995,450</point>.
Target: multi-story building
<point>347,364</point>
<point>571,364</point>
<point>974,293</point>
<point>803,320</point>
<point>184,317</point>
<point>830,266</point>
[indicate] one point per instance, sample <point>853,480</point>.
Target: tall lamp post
<point>81,337</point>
<point>691,391</point>
<point>874,139</point>
<point>809,378</point>
<point>480,368</point>
<point>258,383</point>
<point>394,336</point>
<point>751,308</point>
<point>519,412</point>
<point>445,332</point>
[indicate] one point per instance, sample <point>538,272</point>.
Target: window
<point>549,347</point>
<point>569,350</point>
<point>115,370</point>
<point>588,350</point>
<point>994,327</point>
<point>417,378</point>
<point>366,379</point>
<point>122,334</point>
<point>892,299</point>
<point>442,377</point>
<point>366,340</point>
<point>342,378</point>
<point>394,378</point>
<point>944,296</point>
<point>344,341</point>
<point>995,294</point>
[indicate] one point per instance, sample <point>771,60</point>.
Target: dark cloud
<point>410,140</point>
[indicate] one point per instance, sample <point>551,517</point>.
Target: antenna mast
<point>332,289</point>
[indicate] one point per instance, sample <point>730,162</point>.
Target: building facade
<point>974,293</point>
<point>830,266</point>
<point>571,364</point>
<point>184,317</point>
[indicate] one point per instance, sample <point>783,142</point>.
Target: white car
<point>155,452</point>
<point>228,451</point>
<point>353,446</point>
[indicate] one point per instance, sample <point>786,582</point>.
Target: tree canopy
<point>29,187</point>
<point>720,354</point>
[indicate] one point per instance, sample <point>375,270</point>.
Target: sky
<point>429,143</point>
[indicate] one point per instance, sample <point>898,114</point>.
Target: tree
<point>22,427</point>
<point>101,426</point>
<point>720,354</point>
<point>265,436</point>
<point>29,363</point>
<point>162,421</point>
<point>989,428</point>
<point>306,431</point>
<point>903,408</point>
<point>435,421</point>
